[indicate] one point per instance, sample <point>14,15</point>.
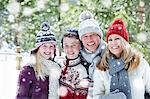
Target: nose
<point>69,49</point>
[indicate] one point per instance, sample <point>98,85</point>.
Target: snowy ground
<point>8,77</point>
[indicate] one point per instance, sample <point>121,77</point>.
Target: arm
<point>146,76</point>
<point>24,83</point>
<point>98,86</point>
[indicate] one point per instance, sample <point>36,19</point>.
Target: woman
<point>74,78</point>
<point>39,79</point>
<point>123,73</point>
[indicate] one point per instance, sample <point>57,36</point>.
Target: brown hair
<point>70,35</point>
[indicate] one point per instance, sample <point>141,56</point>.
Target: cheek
<point>52,50</point>
<point>96,40</point>
<point>109,47</point>
<point>84,40</point>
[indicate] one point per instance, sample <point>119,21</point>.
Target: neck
<point>73,62</point>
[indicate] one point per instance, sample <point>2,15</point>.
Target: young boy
<point>74,78</point>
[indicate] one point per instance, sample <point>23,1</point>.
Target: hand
<point>115,95</point>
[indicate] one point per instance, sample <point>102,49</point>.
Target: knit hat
<point>88,24</point>
<point>43,36</point>
<point>70,32</point>
<point>119,28</point>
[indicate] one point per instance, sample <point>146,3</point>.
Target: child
<point>74,78</point>
<point>39,79</point>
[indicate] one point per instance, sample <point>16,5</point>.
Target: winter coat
<point>30,87</point>
<point>74,80</point>
<point>139,81</point>
<point>92,59</point>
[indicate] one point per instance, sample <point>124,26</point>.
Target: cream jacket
<point>139,81</point>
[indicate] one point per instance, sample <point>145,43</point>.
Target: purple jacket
<point>29,87</point>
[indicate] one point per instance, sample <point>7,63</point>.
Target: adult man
<point>93,47</point>
<point>91,37</point>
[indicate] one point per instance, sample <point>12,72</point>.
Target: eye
<point>85,36</point>
<point>44,46</point>
<point>51,46</point>
<point>117,38</point>
<point>109,40</point>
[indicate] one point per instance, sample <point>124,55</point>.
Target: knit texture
<point>117,27</point>
<point>74,79</point>
<point>119,79</point>
<point>43,36</point>
<point>89,24</point>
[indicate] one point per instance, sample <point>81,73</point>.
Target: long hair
<point>37,65</point>
<point>131,57</point>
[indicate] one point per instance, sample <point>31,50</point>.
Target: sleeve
<point>98,87</point>
<point>24,83</point>
<point>146,75</point>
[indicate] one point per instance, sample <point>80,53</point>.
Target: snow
<point>8,76</point>
<point>8,79</point>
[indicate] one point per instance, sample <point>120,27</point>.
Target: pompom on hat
<point>43,36</point>
<point>117,27</point>
<point>88,24</point>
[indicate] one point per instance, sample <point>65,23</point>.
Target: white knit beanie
<point>88,24</point>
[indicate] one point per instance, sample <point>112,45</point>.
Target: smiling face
<point>47,50</point>
<point>71,47</point>
<point>115,44</point>
<point>90,41</point>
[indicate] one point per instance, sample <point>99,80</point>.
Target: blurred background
<point>20,21</point>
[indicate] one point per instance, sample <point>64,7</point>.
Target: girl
<point>39,79</point>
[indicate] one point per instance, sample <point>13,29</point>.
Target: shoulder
<point>143,63</point>
<point>26,73</point>
<point>142,67</point>
<point>27,70</point>
<point>101,76</point>
<point>100,73</point>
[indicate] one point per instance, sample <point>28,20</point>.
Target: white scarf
<point>51,69</point>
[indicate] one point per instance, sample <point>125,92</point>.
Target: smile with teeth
<point>90,44</point>
<point>115,47</point>
<point>47,53</point>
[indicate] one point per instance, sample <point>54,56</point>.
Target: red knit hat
<point>119,28</point>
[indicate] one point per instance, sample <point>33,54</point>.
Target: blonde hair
<point>130,56</point>
<point>35,61</point>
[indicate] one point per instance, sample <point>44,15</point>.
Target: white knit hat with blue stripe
<point>88,24</point>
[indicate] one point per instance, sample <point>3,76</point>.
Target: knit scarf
<point>94,57</point>
<point>51,69</point>
<point>119,79</point>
